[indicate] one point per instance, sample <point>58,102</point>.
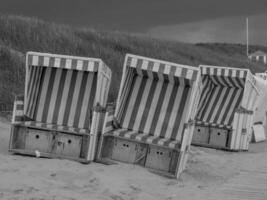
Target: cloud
<point>229,30</point>
<point>130,15</point>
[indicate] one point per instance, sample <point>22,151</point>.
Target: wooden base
<point>160,160</point>
<point>211,137</point>
<point>50,144</point>
<point>218,137</point>
<point>218,148</point>
<point>128,152</point>
<point>47,155</point>
<point>201,135</point>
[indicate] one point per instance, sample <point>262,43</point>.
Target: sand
<point>208,172</point>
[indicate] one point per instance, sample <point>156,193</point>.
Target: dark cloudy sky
<point>184,20</point>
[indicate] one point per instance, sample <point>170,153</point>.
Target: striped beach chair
<point>61,111</point>
<point>226,108</point>
<point>152,122</point>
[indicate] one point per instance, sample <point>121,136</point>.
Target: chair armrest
<point>108,121</point>
<point>18,110</point>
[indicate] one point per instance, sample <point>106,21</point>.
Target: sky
<point>183,20</point>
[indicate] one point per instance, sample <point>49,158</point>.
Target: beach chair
<point>226,108</point>
<point>152,124</point>
<point>260,119</point>
<point>61,112</point>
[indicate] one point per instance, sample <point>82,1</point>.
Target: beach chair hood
<point>159,97</point>
<point>153,120</point>
<point>226,107</point>
<point>62,110</point>
<point>62,90</point>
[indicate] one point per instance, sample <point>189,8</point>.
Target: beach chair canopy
<point>153,101</point>
<point>221,96</point>
<point>62,90</point>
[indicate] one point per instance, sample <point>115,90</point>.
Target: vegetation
<point>20,34</point>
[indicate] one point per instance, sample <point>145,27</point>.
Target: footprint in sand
<point>9,170</point>
<point>31,189</point>
<point>136,189</point>
<point>18,191</point>
<point>116,197</point>
<point>106,192</point>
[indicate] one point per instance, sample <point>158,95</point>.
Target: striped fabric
<point>213,125</point>
<point>130,73</point>
<point>34,81</point>
<point>154,98</point>
<point>146,138</point>
<point>108,123</point>
<point>35,124</point>
<point>223,71</point>
<point>60,89</point>
<point>61,61</point>
<point>161,68</point>
<point>222,92</point>
<point>18,115</point>
<point>156,107</point>
<point>228,81</point>
<point>60,96</point>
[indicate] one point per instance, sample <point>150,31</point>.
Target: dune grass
<point>20,34</point>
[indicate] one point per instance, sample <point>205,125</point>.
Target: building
<point>258,56</point>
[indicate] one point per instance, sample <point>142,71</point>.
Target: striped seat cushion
<point>145,138</point>
<point>201,123</point>
<point>55,127</point>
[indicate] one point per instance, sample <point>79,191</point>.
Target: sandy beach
<point>208,175</point>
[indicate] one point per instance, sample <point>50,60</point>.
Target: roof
<point>258,53</point>
<point>63,61</point>
<point>161,67</point>
<point>224,71</point>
